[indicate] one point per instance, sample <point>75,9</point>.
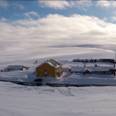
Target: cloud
<point>106,3</point>
<point>56,27</point>
<point>35,35</point>
<point>61,4</point>
<point>113,19</point>
<point>82,3</point>
<point>3,19</point>
<point>3,3</point>
<point>57,4</point>
<point>31,14</point>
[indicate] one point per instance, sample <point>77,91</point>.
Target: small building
<point>50,68</point>
<point>14,68</point>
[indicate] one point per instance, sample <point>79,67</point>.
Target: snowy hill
<point>65,57</point>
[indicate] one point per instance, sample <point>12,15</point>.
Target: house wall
<point>47,70</point>
<point>59,71</point>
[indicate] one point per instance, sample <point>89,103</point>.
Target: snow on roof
<point>53,63</point>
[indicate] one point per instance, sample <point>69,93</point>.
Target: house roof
<point>53,63</point>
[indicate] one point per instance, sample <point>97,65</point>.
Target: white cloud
<point>83,2</point>
<point>3,19</point>
<point>106,3</point>
<point>30,35</point>
<point>31,14</point>
<point>61,4</point>
<point>103,3</point>
<point>57,4</point>
<point>3,3</point>
<point>113,18</point>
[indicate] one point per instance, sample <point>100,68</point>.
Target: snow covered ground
<point>17,100</point>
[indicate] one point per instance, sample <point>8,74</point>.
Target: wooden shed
<point>50,68</point>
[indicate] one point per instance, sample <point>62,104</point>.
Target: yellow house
<point>50,68</point>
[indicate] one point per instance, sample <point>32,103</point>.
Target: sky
<point>28,25</point>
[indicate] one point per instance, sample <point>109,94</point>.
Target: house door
<point>46,73</point>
